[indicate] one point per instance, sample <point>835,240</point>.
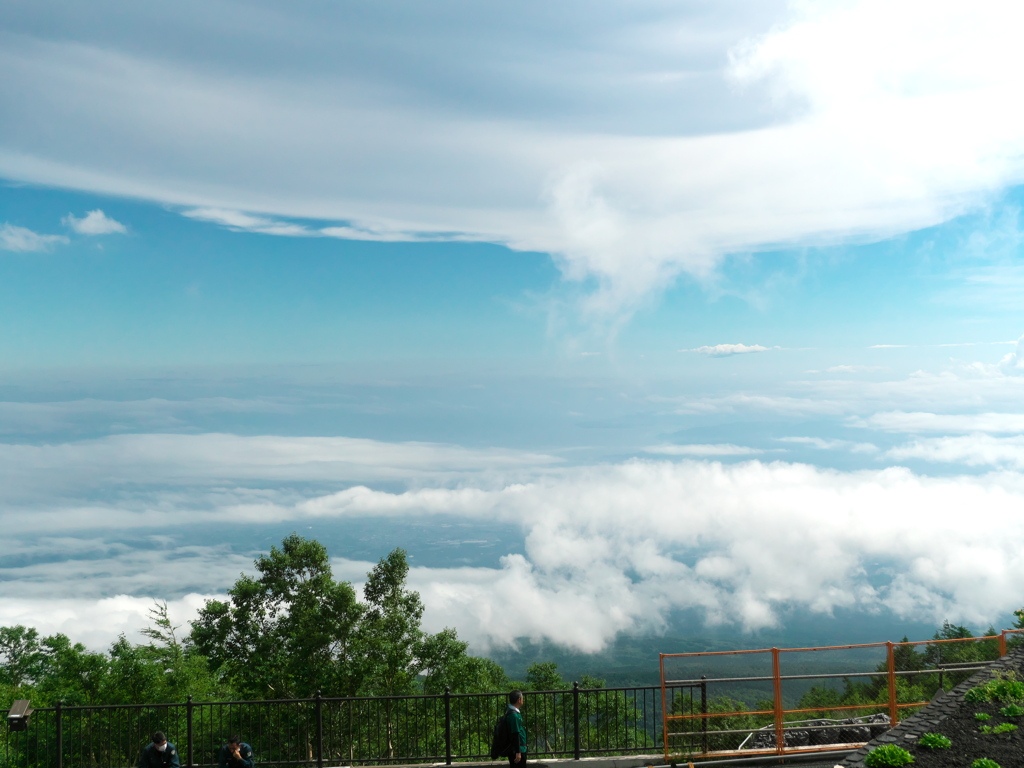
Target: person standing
<point>236,754</point>
<point>159,753</point>
<point>516,731</point>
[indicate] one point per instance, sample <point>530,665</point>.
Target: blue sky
<point>621,309</point>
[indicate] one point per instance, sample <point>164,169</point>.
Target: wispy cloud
<point>713,449</point>
<point>240,221</point>
<point>918,421</point>
<point>854,369</point>
<point>975,450</point>
<point>829,141</point>
<point>94,223</point>
<point>15,238</point>
<point>831,444</point>
<point>726,350</point>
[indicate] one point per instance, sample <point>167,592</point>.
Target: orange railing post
<point>891,661</point>
<point>780,736</point>
<point>1002,643</point>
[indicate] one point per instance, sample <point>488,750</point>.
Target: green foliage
<point>887,756</point>
<point>982,716</point>
<point>21,656</point>
<point>998,729</point>
<point>984,762</point>
<point>1012,710</point>
<point>821,699</point>
<point>1003,688</point>
<point>1006,690</point>
<point>285,633</point>
<point>935,741</point>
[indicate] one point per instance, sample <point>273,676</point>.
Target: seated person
<point>236,754</point>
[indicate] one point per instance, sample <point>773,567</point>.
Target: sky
<point>609,313</point>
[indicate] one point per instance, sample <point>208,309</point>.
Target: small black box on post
<point>17,717</point>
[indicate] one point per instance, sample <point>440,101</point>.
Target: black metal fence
<point>325,731</point>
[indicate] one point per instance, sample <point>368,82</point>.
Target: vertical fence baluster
<point>576,720</point>
<point>188,731</point>
<point>447,726</point>
<point>891,664</point>
<point>319,730</point>
<point>704,711</point>
<point>780,737</point>
<point>58,724</point>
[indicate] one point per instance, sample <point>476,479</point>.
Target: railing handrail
<point>779,711</point>
<point>336,699</point>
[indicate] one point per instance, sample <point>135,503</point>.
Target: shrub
<point>998,729</point>
<point>889,756</point>
<point>984,762</point>
<point>1006,690</point>
<point>982,716</point>
<point>1012,710</point>
<point>935,741</point>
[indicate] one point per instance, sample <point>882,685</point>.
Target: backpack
<point>501,739</point>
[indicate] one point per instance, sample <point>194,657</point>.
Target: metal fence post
<point>576,720</point>
<point>780,736</point>
<point>664,704</point>
<point>319,729</point>
<point>58,724</point>
<point>704,711</point>
<point>447,726</point>
<point>188,730</point>
<point>891,663</point>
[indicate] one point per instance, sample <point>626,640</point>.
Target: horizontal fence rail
<point>329,731</point>
<point>696,727</point>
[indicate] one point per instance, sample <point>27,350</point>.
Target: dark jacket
<point>150,757</point>
<point>517,732</point>
<point>244,759</point>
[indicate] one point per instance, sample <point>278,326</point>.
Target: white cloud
<point>975,450</point>
<point>243,222</point>
<point>902,421</point>
<point>831,444</point>
<point>212,467</point>
<point>716,449</point>
<point>853,368</point>
<point>94,223</point>
<point>94,622</point>
<point>725,350</point>
<point>20,239</point>
<point>608,548</point>
<point>1013,362</point>
<point>740,402</point>
<point>887,118</point>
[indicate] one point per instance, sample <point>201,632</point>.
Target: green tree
<point>285,633</point>
<point>70,673</point>
<point>392,643</point>
<point>21,656</point>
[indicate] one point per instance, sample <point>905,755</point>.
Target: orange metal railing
<point>779,712</point>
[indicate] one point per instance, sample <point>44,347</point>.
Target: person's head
<point>234,741</point>
<point>159,741</point>
<point>516,699</point>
